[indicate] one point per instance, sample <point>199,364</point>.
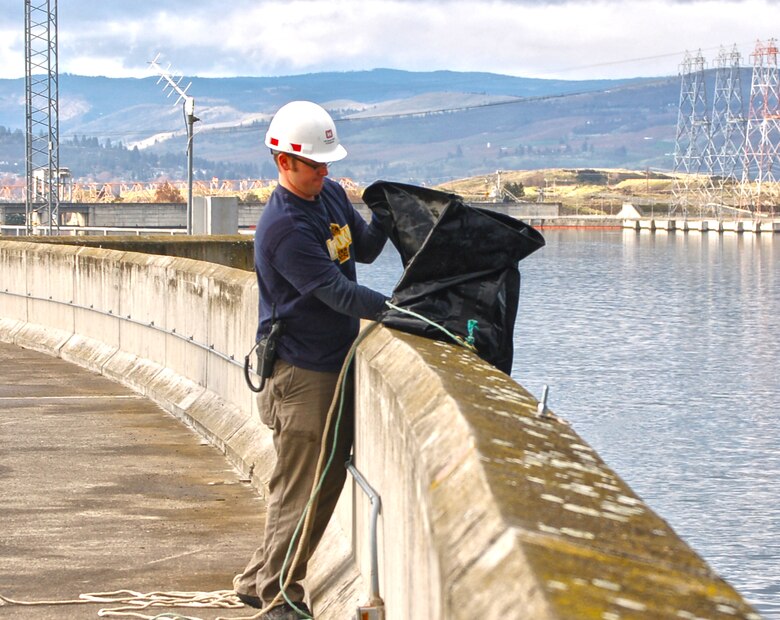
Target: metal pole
<point>376,507</point>
<point>189,112</point>
<point>50,171</point>
<point>54,121</point>
<point>190,123</point>
<point>28,160</point>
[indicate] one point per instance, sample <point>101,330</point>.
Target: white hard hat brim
<point>337,154</point>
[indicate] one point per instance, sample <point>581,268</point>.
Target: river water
<point>663,352</point>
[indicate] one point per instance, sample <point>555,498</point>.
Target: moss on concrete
<point>596,549</point>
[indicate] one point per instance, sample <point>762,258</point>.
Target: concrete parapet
<point>489,511</point>
<point>503,514</point>
<point>229,250</point>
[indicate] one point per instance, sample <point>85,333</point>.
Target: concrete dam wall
<point>488,509</point>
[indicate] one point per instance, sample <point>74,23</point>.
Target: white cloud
<point>568,39</point>
<point>11,52</point>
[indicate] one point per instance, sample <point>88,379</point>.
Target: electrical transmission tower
<point>42,94</point>
<point>728,128</point>
<point>692,141</point>
<point>762,142</point>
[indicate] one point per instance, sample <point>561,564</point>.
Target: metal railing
<point>105,231</point>
<point>110,313</point>
<point>375,607</point>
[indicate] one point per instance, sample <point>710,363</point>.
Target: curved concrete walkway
<point>102,490</point>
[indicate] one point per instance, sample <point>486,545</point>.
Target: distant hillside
<point>414,127</point>
<point>580,191</point>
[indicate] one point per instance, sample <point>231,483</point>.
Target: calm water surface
<point>662,351</point>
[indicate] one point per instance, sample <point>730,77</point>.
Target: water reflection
<point>661,350</point>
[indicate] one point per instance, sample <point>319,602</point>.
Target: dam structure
<point>145,219</point>
<point>491,506</point>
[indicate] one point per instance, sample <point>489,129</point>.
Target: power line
<point>632,60</point>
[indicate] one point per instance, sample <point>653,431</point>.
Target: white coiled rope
<point>130,603</point>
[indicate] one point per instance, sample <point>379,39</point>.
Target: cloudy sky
<point>569,39</point>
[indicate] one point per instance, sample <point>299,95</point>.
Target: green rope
<point>472,326</point>
<point>468,343</point>
<point>331,456</point>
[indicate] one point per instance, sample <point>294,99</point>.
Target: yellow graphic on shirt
<point>338,246</point>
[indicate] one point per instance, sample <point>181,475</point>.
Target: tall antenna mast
<point>172,84</point>
<point>42,142</point>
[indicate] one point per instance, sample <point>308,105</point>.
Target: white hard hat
<point>306,129</point>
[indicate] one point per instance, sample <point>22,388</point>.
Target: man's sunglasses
<point>314,165</point>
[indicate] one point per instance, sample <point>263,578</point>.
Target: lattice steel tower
<point>692,145</point>
<point>728,128</point>
<point>762,144</point>
<point>42,95</point>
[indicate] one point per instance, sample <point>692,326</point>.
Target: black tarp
<point>460,266</point>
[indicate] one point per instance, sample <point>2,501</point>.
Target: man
<point>308,240</point>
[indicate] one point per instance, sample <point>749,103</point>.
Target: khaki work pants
<point>294,404</point>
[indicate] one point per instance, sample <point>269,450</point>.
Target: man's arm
<point>369,240</point>
<point>350,298</point>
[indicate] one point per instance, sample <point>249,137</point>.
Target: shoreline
<point>666,224</point>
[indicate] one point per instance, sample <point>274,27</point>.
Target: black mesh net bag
<point>460,267</point>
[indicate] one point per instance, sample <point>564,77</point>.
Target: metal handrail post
<point>376,507</point>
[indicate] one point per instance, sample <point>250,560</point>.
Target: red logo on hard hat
<point>329,134</point>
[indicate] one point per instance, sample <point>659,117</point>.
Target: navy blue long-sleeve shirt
<point>305,255</point>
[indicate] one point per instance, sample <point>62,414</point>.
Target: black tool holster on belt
<point>266,356</point>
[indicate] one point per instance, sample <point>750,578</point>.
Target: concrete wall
<point>215,215</point>
<point>133,214</point>
<point>488,510</point>
<point>523,210</point>
<point>228,250</point>
<point>172,215</point>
